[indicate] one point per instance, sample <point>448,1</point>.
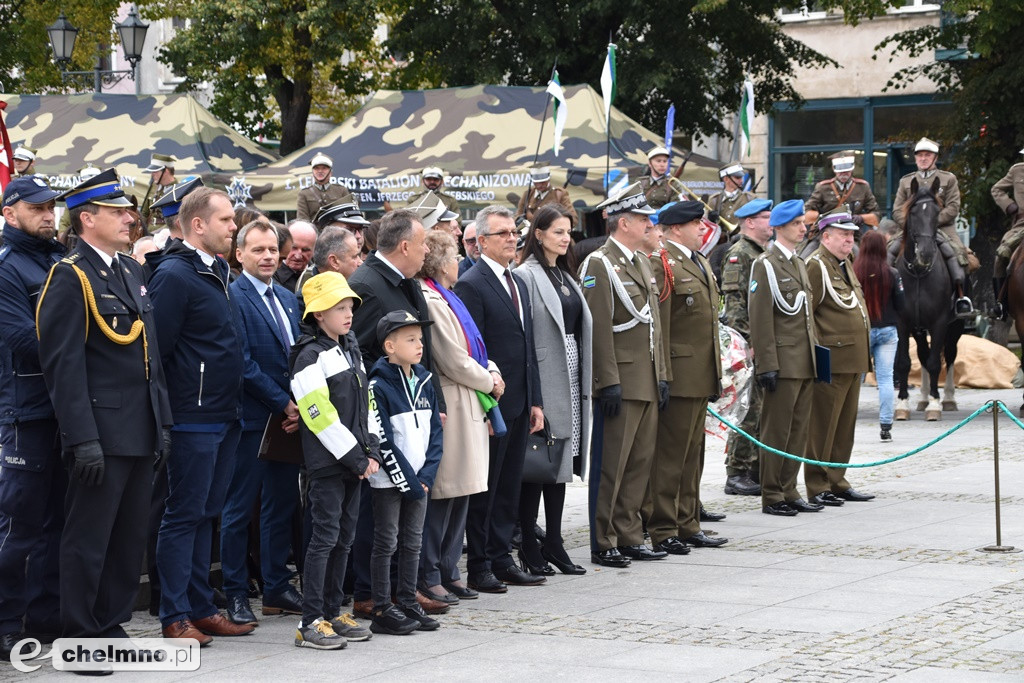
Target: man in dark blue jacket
<point>32,480</point>
<point>270,321</point>
<point>201,347</point>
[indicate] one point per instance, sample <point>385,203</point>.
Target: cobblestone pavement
<point>895,589</point>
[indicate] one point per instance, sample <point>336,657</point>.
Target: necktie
<point>842,268</point>
<point>282,329</point>
<point>693,257</point>
<point>512,290</point>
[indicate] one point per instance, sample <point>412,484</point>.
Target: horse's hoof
<point>922,405</point>
<point>904,415</point>
<point>933,411</point>
<point>949,405</point>
<point>901,410</point>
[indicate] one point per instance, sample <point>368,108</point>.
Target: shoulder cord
<point>89,298</point>
<point>642,316</point>
<point>783,305</point>
<point>670,278</point>
<point>848,302</point>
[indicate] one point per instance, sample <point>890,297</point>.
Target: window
<point>803,10</point>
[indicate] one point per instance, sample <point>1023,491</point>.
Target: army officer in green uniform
<point>657,185</point>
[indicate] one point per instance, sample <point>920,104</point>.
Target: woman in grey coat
<point>562,335</point>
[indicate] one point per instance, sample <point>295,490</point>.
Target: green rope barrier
<point>876,463</point>
<point>1006,411</point>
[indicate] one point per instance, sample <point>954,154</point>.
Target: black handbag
<point>543,457</point>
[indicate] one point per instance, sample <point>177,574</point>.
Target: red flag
<point>6,153</point>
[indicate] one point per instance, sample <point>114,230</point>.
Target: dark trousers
<point>157,505</point>
<point>362,546</point>
<point>830,436</point>
<point>784,422</point>
<point>492,517</point>
<point>594,473</point>
<point>443,531</point>
<point>673,502</point>
<point>198,472</point>
<point>333,504</point>
<point>101,549</point>
<point>276,485</point>
<point>398,527</point>
<point>33,484</point>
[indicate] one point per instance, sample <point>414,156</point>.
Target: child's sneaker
<point>424,623</point>
<point>346,627</point>
<point>319,635</point>
<point>391,621</point>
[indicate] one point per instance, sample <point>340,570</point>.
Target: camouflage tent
<point>483,137</point>
<point>71,131</point>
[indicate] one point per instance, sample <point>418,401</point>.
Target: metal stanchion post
<point>998,547</point>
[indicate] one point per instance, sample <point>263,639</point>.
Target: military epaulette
<point>4,251</point>
<point>860,180</point>
<point>71,259</point>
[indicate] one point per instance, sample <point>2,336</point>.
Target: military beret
<point>786,211</point>
<point>681,213</point>
<point>753,207</point>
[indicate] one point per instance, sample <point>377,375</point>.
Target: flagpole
<point>607,140</point>
<point>540,136</point>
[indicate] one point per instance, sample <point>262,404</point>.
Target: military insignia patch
<point>753,285</point>
<point>734,259</point>
<point>313,411</point>
<point>589,281</point>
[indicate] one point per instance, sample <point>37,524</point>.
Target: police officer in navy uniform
<point>99,357</point>
<point>32,479</point>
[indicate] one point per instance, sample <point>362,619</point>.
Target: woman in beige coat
<point>461,362</point>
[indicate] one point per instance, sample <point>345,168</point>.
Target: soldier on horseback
<point>1009,195</point>
<point>956,255</point>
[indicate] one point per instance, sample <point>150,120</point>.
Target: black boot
<point>886,432</point>
<point>1000,310</point>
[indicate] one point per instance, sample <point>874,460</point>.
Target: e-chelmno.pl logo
<point>108,654</point>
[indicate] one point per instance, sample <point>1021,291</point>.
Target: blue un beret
<point>753,207</point>
<point>786,211</point>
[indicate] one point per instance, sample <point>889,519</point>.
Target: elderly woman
<point>562,334</point>
<point>460,360</point>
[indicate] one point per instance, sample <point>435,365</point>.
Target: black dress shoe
<point>486,582</point>
<point>7,643</point>
<point>706,516</point>
<point>702,540</point>
<point>239,612</point>
<point>742,485</point>
<point>288,602</point>
<point>461,592</point>
<point>642,552</point>
<point>534,565</point>
<point>827,498</point>
<point>563,563</point>
<point>610,558</point>
<point>801,505</point>
<point>854,495</point>
<point>514,576</point>
<point>673,546</point>
<point>446,597</point>
<point>781,509</point>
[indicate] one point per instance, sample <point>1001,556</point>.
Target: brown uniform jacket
<point>529,203</point>
<point>661,191</point>
<point>735,280</point>
<point>689,314</point>
<point>845,331</point>
<point>624,357</point>
<point>449,201</point>
<point>1010,190</point>
<point>782,343</point>
<point>858,196</point>
<point>726,206</point>
<point>949,195</point>
<point>314,197</point>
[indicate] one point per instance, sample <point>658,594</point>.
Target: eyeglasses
<point>502,234</point>
<point>469,240</point>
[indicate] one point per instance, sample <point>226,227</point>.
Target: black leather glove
<point>662,394</point>
<point>768,380</point>
<point>610,400</point>
<point>1012,209</point>
<point>713,216</point>
<point>713,398</point>
<point>858,220</point>
<point>88,463</point>
<point>165,449</point>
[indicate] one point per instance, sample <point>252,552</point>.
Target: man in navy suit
<point>269,315</point>
<point>498,301</point>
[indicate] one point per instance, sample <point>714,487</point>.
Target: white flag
<point>561,111</point>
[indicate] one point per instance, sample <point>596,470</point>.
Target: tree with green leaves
<point>694,53</point>
<point>270,64</point>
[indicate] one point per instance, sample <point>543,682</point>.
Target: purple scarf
<point>474,342</point>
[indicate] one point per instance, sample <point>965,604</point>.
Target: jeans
<point>333,503</point>
<point>883,352</point>
<point>198,471</point>
<point>398,525</point>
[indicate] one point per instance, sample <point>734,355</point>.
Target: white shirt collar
<point>732,195</point>
<point>498,269</point>
<point>260,285</point>
<point>107,258</point>
<point>207,258</point>
<point>629,254</point>
<point>687,252</point>
<point>391,265</point>
<point>785,252</point>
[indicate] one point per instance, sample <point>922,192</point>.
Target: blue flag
<point>670,124</point>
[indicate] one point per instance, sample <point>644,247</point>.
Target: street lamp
<point>132,32</point>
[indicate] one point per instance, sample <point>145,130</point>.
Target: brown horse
<point>1015,294</point>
